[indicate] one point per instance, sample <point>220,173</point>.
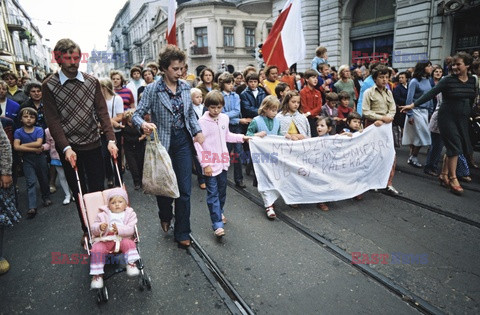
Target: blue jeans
<point>434,154</point>
<point>216,195</point>
<point>237,148</point>
<point>35,167</point>
<point>181,153</point>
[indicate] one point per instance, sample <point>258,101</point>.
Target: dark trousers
<point>181,153</point>
<point>237,149</point>
<point>197,168</point>
<point>35,168</point>
<point>135,156</point>
<point>110,170</point>
<point>90,171</point>
<point>434,154</point>
<point>313,126</point>
<point>216,196</point>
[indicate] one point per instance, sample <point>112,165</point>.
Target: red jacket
<point>311,100</point>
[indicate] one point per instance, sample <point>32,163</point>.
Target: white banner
<point>322,169</point>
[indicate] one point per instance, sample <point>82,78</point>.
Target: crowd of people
<point>73,119</point>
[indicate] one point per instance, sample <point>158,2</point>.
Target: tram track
<point>231,297</point>
<point>413,300</point>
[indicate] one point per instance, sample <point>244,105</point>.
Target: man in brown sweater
<point>73,104</point>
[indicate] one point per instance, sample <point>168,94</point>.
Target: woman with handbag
<point>172,114</point>
<point>115,111</point>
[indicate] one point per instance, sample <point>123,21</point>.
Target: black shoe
<point>248,169</point>
<point>240,184</point>
<point>47,203</point>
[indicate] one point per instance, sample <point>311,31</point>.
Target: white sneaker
<point>270,212</point>
<point>97,282</point>
<point>132,270</point>
<point>219,232</point>
<point>66,201</point>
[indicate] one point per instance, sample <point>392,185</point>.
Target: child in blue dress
<point>266,124</point>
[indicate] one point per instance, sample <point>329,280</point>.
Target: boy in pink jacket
<point>113,231</point>
<point>214,157</point>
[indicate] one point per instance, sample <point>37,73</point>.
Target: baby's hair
<point>280,88</point>
<point>310,73</point>
<point>343,95</point>
<point>194,91</point>
<point>286,99</point>
<point>223,79</point>
<point>29,111</point>
<point>252,77</point>
<point>332,96</point>
<point>320,51</point>
<point>268,102</point>
<point>214,98</point>
<point>328,121</point>
<point>352,116</point>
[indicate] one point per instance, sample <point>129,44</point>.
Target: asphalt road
<point>273,266</point>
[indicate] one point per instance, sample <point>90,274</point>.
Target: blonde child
<point>266,124</point>
<point>29,140</point>
<point>113,230</point>
<point>293,124</point>
<point>199,108</point>
<point>49,146</point>
<point>214,157</point>
<point>320,57</point>
<point>324,127</point>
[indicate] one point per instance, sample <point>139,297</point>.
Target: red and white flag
<point>285,45</point>
<point>171,28</point>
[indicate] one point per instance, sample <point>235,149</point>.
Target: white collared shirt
<point>63,78</point>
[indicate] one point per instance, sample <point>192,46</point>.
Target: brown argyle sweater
<point>72,110</point>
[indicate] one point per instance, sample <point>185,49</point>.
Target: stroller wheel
<point>145,282</point>
<point>102,295</point>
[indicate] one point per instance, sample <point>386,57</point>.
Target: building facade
<point>21,44</point>
<point>401,32</point>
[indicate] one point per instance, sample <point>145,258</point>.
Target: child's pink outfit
<point>107,242</point>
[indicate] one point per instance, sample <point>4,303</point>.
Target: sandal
<point>270,212</point>
<point>443,179</point>
<point>455,189</point>
<point>31,213</point>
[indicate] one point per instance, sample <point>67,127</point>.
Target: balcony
<point>199,52</point>
<point>15,24</point>
<point>32,42</point>
<point>4,48</point>
<point>126,46</point>
<point>255,6</point>
<point>125,30</point>
<point>137,42</point>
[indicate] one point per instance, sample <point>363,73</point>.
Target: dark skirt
<point>453,120</point>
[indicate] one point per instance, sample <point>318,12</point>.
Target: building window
<point>201,37</point>
<point>249,37</point>
<point>228,36</point>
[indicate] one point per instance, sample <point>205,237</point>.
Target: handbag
<point>159,178</point>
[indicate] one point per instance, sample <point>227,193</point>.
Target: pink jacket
<point>49,145</point>
<point>213,152</point>
<point>124,231</point>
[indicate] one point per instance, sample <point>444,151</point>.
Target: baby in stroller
<point>112,232</point>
